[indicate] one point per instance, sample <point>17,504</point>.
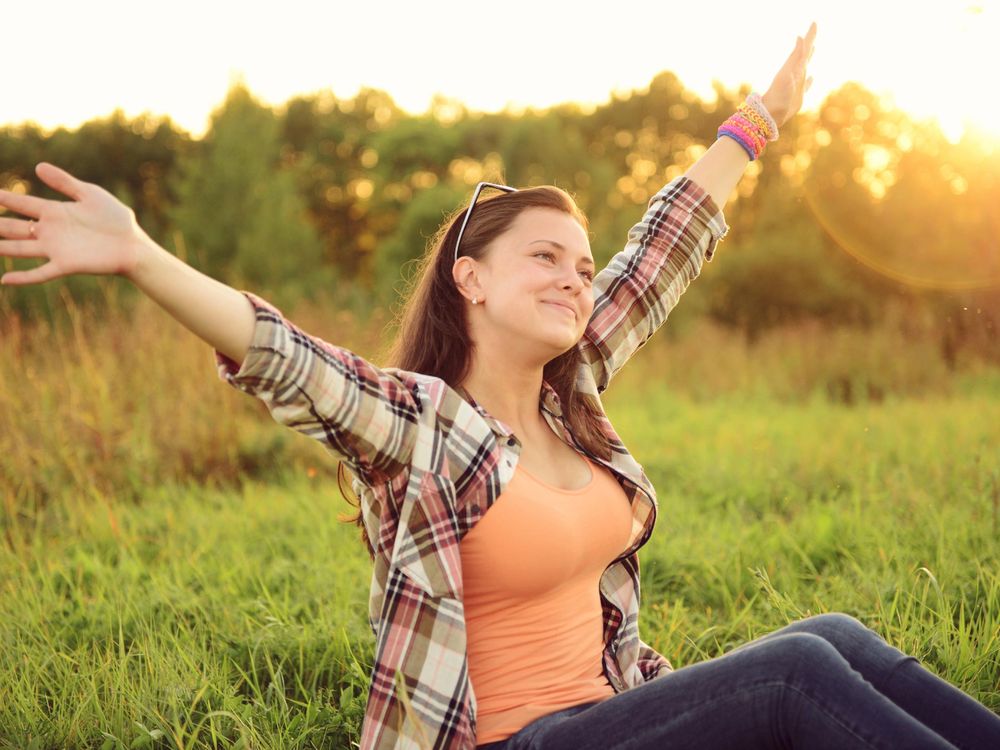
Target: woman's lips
<point>561,306</point>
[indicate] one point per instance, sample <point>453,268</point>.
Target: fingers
<point>54,177</point>
<point>31,276</point>
<point>24,249</point>
<point>792,61</point>
<point>59,179</point>
<point>17,229</point>
<point>28,205</point>
<point>807,41</point>
<point>21,249</point>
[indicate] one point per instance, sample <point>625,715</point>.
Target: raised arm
<point>363,414</point>
<point>682,225</point>
<point>635,292</point>
<point>720,168</point>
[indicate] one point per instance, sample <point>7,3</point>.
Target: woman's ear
<point>466,278</point>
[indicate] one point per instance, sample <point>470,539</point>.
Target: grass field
<point>185,611</point>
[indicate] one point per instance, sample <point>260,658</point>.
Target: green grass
<point>204,617</point>
<point>201,618</point>
<point>179,578</point>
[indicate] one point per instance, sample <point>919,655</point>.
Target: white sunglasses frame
<point>472,203</point>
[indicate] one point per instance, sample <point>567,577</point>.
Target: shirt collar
<point>550,399</point>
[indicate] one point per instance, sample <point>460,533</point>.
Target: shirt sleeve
<point>651,663</point>
<point>365,415</point>
<point>642,283</point>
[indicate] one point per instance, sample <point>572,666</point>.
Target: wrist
<point>772,108</point>
<point>751,126</point>
<point>141,253</point>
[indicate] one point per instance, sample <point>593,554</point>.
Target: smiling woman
<point>514,276</point>
<point>515,267</point>
<point>490,410</point>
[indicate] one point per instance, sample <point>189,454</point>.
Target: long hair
<point>433,336</point>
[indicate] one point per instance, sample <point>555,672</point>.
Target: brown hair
<point>433,336</point>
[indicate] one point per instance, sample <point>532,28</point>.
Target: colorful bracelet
<point>757,103</point>
<point>736,137</point>
<point>751,126</point>
<point>757,119</point>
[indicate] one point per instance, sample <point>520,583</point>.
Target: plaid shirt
<point>428,462</point>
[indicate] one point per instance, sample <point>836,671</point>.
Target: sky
<point>68,62</point>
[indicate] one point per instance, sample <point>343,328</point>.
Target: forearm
<point>719,169</point>
<point>218,314</point>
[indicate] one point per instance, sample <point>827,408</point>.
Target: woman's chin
<point>561,344</point>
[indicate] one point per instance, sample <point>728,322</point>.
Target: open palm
<point>94,233</point>
<point>784,96</point>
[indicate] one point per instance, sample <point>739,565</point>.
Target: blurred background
<point>819,413</point>
<point>310,155</point>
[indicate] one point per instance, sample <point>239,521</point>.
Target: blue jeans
<point>823,682</point>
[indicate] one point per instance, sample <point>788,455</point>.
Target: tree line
<point>853,210</point>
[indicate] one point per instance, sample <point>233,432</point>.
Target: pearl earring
<point>475,300</point>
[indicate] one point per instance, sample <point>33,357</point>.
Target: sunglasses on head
<point>475,197</point>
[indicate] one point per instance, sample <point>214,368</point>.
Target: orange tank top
<point>531,568</point>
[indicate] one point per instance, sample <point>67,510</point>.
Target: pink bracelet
<point>751,126</point>
<point>751,129</point>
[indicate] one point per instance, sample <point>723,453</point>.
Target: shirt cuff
<point>270,338</point>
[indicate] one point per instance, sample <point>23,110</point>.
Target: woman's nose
<point>573,281</point>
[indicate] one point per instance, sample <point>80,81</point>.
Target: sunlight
<point>934,59</point>
<point>950,82</point>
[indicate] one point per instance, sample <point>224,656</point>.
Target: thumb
<point>59,179</point>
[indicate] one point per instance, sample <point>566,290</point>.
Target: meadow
<point>175,570</point>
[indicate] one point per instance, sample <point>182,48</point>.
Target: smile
<point>562,307</point>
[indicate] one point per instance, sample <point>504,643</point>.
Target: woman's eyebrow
<point>588,261</point>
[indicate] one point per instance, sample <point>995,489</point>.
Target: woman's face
<point>534,285</point>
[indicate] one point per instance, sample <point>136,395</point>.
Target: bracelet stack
<point>751,126</point>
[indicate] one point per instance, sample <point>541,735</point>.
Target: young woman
<point>513,624</point>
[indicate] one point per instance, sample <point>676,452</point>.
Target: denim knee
<point>797,658</point>
<point>828,621</point>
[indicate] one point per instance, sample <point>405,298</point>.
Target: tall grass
<point>173,572</point>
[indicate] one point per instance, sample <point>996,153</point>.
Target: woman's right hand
<point>94,233</point>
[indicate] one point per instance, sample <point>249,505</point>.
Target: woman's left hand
<point>784,98</point>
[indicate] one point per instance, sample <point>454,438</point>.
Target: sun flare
<point>952,81</point>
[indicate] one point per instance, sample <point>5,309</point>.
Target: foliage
<point>854,209</point>
<point>239,213</point>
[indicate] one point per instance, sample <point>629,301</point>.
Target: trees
<point>239,214</point>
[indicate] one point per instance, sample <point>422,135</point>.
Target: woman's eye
<point>589,275</point>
